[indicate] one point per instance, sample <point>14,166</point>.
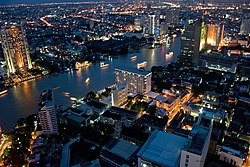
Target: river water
<point>22,100</point>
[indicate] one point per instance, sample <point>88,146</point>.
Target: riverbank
<point>22,100</point>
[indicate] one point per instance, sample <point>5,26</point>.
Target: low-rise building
<point>79,114</point>
<point>232,156</point>
<point>98,107</point>
<point>153,122</point>
<point>161,149</point>
<point>134,135</point>
<point>117,153</point>
<point>114,114</point>
<point>216,61</point>
<point>168,101</point>
<point>194,110</point>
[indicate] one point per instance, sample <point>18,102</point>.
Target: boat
<point>102,65</point>
<point>141,65</point>
<point>73,99</point>
<point>174,35</point>
<point>170,54</point>
<point>87,80</point>
<point>2,92</point>
<point>133,57</point>
<point>66,94</point>
<point>55,87</point>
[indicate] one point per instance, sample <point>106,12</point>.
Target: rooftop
<point>65,160</point>
<point>197,138</point>
<point>123,112</point>
<point>163,148</point>
<point>119,151</point>
<point>166,98</point>
<point>133,70</point>
<point>80,109</point>
<point>96,104</point>
<point>124,149</point>
<point>134,133</point>
<point>153,121</point>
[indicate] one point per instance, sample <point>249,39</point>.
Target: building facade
<point>47,112</point>
<point>151,25</point>
<point>161,149</point>
<point>215,34</point>
<point>192,41</point>
<point>196,148</point>
<point>119,95</point>
<point>245,26</point>
<point>137,23</point>
<point>15,48</point>
<point>137,81</point>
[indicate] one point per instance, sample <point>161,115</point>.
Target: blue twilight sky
<point>6,2</point>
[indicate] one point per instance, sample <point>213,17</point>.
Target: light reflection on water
<point>23,99</point>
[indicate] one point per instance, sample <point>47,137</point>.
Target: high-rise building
<point>137,81</point>
<point>15,48</point>
<point>245,26</point>
<point>214,34</point>
<point>151,25</point>
<point>195,151</point>
<point>193,41</point>
<point>137,23</point>
<point>172,16</point>
<point>119,95</point>
<point>47,112</point>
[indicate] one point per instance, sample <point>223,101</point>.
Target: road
<point>247,164</point>
<point>3,146</point>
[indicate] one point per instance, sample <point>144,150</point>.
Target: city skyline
<point>125,84</point>
<point>12,2</point>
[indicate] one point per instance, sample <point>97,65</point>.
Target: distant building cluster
<point>193,112</point>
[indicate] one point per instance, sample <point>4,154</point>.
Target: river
<point>22,100</point>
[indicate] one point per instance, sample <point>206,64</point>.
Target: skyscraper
<point>152,25</point>
<point>214,34</point>
<point>245,26</point>
<point>15,48</point>
<point>172,16</point>
<point>47,113</point>
<point>193,40</point>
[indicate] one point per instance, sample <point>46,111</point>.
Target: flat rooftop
<point>96,104</point>
<point>123,112</point>
<point>163,148</point>
<point>196,143</point>
<point>133,70</point>
<point>166,98</point>
<point>124,149</point>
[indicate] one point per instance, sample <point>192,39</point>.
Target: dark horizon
<point>12,2</point>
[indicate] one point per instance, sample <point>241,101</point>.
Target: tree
<point>151,110</point>
<point>91,95</point>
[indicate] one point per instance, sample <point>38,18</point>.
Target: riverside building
<point>15,49</point>
<point>47,113</point>
<point>137,81</point>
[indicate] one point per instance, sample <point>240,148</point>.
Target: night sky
<point>6,2</point>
